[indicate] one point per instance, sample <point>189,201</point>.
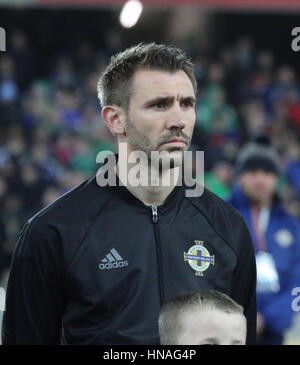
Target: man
<point>96,266</point>
<point>276,239</point>
<point>205,317</point>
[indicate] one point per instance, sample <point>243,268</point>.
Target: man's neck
<point>155,188</point>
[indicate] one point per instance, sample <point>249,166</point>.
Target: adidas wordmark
<point>112,261</point>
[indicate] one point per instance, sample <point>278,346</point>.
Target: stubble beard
<point>140,142</point>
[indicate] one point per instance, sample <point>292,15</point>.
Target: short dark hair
<point>170,323</point>
<point>114,83</point>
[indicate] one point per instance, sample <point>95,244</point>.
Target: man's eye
<point>187,104</point>
<point>160,105</point>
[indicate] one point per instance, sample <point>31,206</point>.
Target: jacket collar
<point>123,193</point>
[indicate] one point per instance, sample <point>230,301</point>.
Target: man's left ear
<point>114,118</point>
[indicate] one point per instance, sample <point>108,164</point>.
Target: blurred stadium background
<point>50,123</point>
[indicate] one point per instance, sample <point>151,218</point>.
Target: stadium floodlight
<point>130,13</point>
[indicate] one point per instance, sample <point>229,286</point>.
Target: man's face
<point>161,113</point>
<point>258,185</point>
<point>212,327</point>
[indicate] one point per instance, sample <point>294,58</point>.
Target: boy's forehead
<point>213,319</point>
<point>206,314</point>
<point>159,82</point>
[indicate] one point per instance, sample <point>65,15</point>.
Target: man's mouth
<point>175,142</point>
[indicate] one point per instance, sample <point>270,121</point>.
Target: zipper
<point>154,213</point>
<point>159,254</point>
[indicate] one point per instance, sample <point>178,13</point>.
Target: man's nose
<point>176,118</point>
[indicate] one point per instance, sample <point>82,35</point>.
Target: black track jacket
<point>95,266</point>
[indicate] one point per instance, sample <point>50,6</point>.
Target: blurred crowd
<point>51,128</point>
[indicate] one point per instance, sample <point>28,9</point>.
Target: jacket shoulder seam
<point>89,225</point>
<point>212,226</point>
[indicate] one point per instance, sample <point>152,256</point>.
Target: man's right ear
<point>114,118</point>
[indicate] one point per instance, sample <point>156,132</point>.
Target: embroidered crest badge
<point>199,258</point>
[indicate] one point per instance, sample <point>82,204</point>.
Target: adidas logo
<point>112,261</point>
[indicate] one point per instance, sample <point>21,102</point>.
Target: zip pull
<point>154,213</point>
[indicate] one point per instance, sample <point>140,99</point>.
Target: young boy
<point>205,317</point>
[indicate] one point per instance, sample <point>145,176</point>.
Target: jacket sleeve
<point>34,298</point>
<point>282,302</point>
<point>244,282</point>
